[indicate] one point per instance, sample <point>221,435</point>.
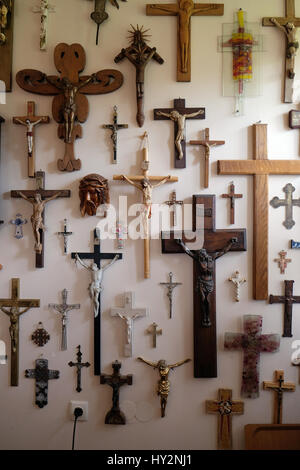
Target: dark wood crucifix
<point>279,386</point>
<point>232,196</point>
<point>66,233</point>
<point>139,54</point>
<point>99,14</point>
<point>288,299</point>
<point>1,122</point>
<point>70,106</point>
<point>178,114</point>
<point>41,374</point>
<point>79,365</point>
<point>39,198</point>
<point>216,244</point>
<point>6,42</point>
<point>114,128</point>
<point>288,203</point>
<point>14,308</point>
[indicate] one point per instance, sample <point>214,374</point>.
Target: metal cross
<point>153,330</point>
<point>18,222</point>
<point>232,196</point>
<point>64,309</point>
<point>65,234</point>
<point>40,336</point>
<point>79,365</point>
<point>99,14</point>
<point>282,261</point>
<point>170,286</point>
<point>115,127</point>
<point>41,374</point>
<point>237,281</point>
<point>173,202</point>
<point>288,203</point>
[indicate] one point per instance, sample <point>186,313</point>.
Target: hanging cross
<point>184,10</point>
<point>79,365</point>
<point>224,407</point>
<point>173,203</point>
<point>14,308</point>
<point>44,9</point>
<point>63,309</point>
<point>3,355</point>
<point>288,299</point>
<point>237,281</point>
<point>289,25</point>
<point>279,386</point>
<point>121,231</point>
<point>128,314</point>
<point>30,121</point>
<point>154,332</point>
<point>115,381</point>
<point>115,127</point>
<point>170,286</point>
<point>253,343</point>
<point>288,203</point>
<point>65,234</point>
<point>216,244</point>
<point>1,121</point>
<point>18,222</point>
<point>99,15</point>
<point>295,245</point>
<point>207,144</point>
<point>95,289</point>
<point>232,196</point>
<point>260,168</point>
<point>6,42</point>
<point>41,374</point>
<point>39,198</point>
<point>179,114</point>
<point>40,336</point>
<point>282,261</point>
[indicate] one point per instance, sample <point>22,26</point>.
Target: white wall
<point>186,426</point>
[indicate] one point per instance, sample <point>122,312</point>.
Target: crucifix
<point>95,289</point>
<point>114,128</point>
<point>224,407</point>
<point>184,10</point>
<point>39,198</point>
<point>63,309</point>
<point>232,196</point>
<point>179,114</point>
<point>99,15</point>
<point>79,365</point>
<point>282,261</point>
<point>14,308</point>
<point>128,314</point>
<point>260,168</point>
<point>3,355</point>
<point>121,232</point>
<point>30,121</point>
<point>216,244</point>
<point>6,42</point>
<point>237,281</point>
<point>170,286</point>
<point>173,203</point>
<point>65,234</point>
<point>41,374</point>
<point>253,343</point>
<point>44,9</point>
<point>288,203</point>
<point>70,106</point>
<point>288,299</point>
<point>279,386</point>
<point>207,144</point>
<point>18,222</point>
<point>289,26</point>
<point>115,381</point>
<point>154,332</point>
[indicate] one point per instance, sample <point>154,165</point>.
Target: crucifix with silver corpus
<point>63,309</point>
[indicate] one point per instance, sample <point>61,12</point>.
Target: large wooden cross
<point>260,168</point>
<point>6,42</point>
<point>184,10</point>
<point>288,299</point>
<point>12,307</point>
<point>216,243</point>
<point>279,386</point>
<point>1,121</point>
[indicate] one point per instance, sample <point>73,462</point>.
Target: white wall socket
<point>79,404</point>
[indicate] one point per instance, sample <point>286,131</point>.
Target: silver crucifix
<point>170,286</point>
<point>64,309</point>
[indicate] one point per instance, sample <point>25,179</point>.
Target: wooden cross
<point>170,286</point>
<point>12,307</point>
<point>260,168</point>
<point>1,121</point>
<point>30,121</point>
<point>79,365</point>
<point>207,144</point>
<point>237,281</point>
<point>173,203</point>
<point>115,381</point>
<point>232,196</point>
<point>279,387</point>
<point>63,309</point>
<point>178,114</point>
<point>6,42</point>
<point>154,332</point>
<point>114,128</point>
<point>128,314</point>
<point>184,10</point>
<point>253,343</point>
<point>224,407</point>
<point>65,234</point>
<point>288,299</point>
<point>70,105</point>
<point>282,261</point>
<point>44,9</point>
<point>38,198</point>
<point>41,374</point>
<point>216,244</point>
<point>288,203</point>
<point>96,257</point>
<point>289,25</point>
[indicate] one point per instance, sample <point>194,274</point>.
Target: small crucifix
<point>282,261</point>
<point>65,234</point>
<point>99,14</point>
<point>179,114</point>
<point>6,42</point>
<point>288,203</point>
<point>170,286</point>
<point>18,222</point>
<point>288,299</point>
<point>121,232</point>
<point>154,332</point>
<point>44,9</point>
<point>79,365</point>
<point>224,407</point>
<point>207,144</point>
<point>237,281</point>
<point>63,309</point>
<point>114,128</point>
<point>173,203</point>
<point>232,196</point>
<point>14,308</point>
<point>279,386</point>
<point>30,121</point>
<point>40,336</point>
<point>41,374</point>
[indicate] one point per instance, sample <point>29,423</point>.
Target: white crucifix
<point>44,9</point>
<point>237,281</point>
<point>128,314</point>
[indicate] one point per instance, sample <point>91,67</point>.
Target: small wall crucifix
<point>288,203</point>
<point>63,309</point>
<point>41,374</point>
<point>6,42</point>
<point>114,128</point>
<point>170,286</point>
<point>282,261</point>
<point>237,281</point>
<point>288,299</point>
<point>99,14</point>
<point>18,222</point>
<point>232,196</point>
<point>279,386</point>
<point>1,122</point>
<point>65,234</point>
<point>154,332</point>
<point>44,9</point>
<point>174,203</point>
<point>79,365</point>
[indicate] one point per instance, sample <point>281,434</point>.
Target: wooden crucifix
<point>154,332</point>
<point>41,374</point>
<point>288,203</point>
<point>30,121</point>
<point>63,309</point>
<point>114,128</point>
<point>44,9</point>
<point>216,244</point>
<point>39,198</point>
<point>79,365</point>
<point>170,286</point>
<point>14,308</point>
<point>184,10</point>
<point>260,168</point>
<point>289,26</point>
<point>232,196</point>
<point>282,261</point>
<point>207,144</point>
<point>95,288</point>
<point>6,42</point>
<point>288,299</point>
<point>279,386</point>
<point>224,407</point>
<point>65,234</point>
<point>70,105</point>
<point>99,14</point>
<point>179,114</point>
<point>1,122</point>
<point>173,203</point>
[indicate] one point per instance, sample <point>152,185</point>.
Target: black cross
<point>79,366</point>
<point>41,374</point>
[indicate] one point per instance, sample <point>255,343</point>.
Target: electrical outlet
<point>79,404</point>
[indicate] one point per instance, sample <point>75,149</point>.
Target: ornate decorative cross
<point>279,386</point>
<point>288,203</point>
<point>237,281</point>
<point>232,196</point>
<point>282,261</point>
<point>114,128</point>
<point>154,332</point>
<point>40,336</point>
<point>99,15</point>
<point>170,286</point>
<point>18,222</point>
<point>288,299</point>
<point>41,374</point>
<point>173,203</point>
<point>79,365</point>
<point>65,234</point>
<point>44,9</point>
<point>63,309</point>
